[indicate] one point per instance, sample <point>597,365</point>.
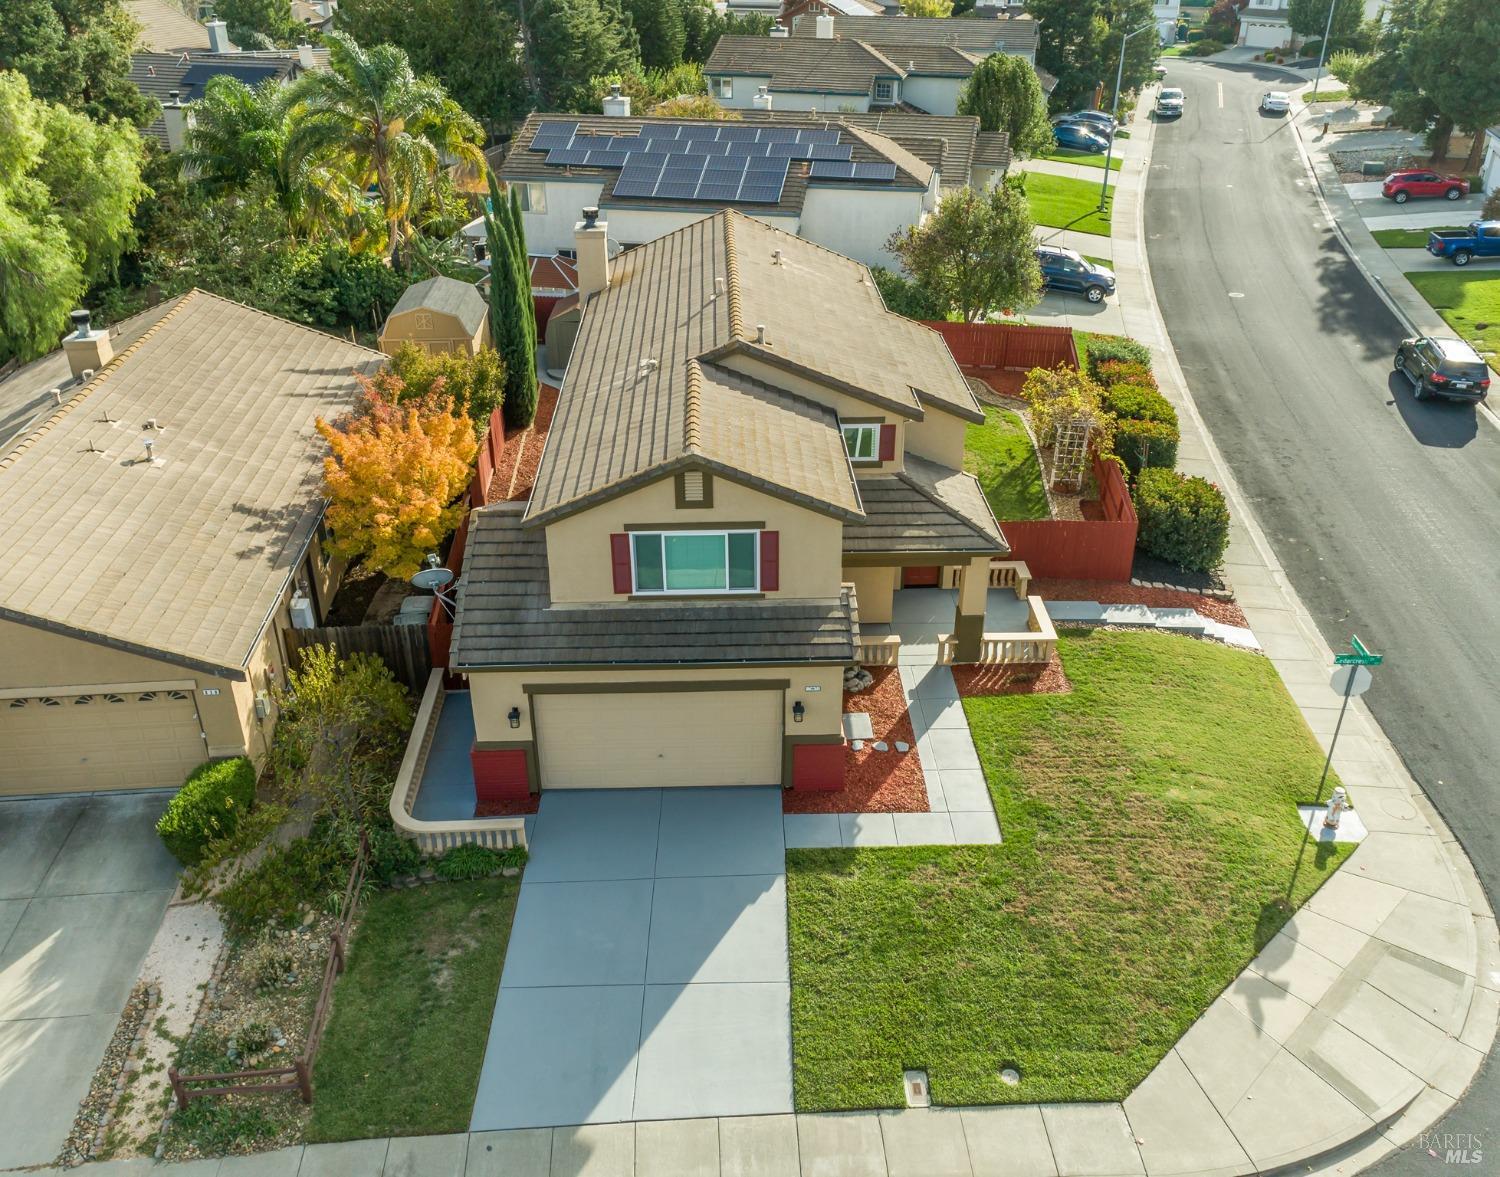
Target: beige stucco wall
<point>495,692</point>
<point>875,590</point>
<point>938,437</point>
<point>441,334</point>
<point>578,547</point>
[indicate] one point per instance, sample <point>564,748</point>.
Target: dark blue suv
<point>1067,269</point>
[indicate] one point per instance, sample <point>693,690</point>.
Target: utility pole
<point>1323,48</point>
<point>1114,112</point>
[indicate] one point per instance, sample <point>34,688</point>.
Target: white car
<point>1169,103</point>
<point>1275,102</point>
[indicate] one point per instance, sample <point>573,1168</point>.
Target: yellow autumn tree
<point>393,476</point>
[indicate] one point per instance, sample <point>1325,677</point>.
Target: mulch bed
<point>874,782</point>
<point>979,681</point>
<point>1109,592</point>
<point>507,808</point>
<point>515,468</point>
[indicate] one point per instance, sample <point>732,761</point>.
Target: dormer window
<point>863,442</point>
<point>696,561</point>
<point>885,90</point>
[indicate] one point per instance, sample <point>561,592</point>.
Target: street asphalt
<point>1378,507</point>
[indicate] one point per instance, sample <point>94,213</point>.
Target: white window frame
<point>862,428</point>
<point>723,87</point>
<point>891,91</point>
<point>665,591</point>
<point>533,198</point>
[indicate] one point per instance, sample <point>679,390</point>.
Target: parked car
<point>1078,137</point>
<point>1402,186</point>
<point>1067,269</point>
<point>1461,246</point>
<point>1275,102</point>
<point>1443,367</point>
<point>1169,102</point>
<point>1102,117</point>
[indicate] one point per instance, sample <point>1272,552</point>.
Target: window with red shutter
<point>619,554</point>
<point>887,443</point>
<point>770,561</point>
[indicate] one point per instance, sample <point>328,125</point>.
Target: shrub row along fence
<point>298,1076</point>
<point>404,648</point>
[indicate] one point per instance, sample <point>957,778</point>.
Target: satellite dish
<point>612,248</point>
<point>433,578</point>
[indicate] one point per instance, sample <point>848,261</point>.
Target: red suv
<point>1402,186</point>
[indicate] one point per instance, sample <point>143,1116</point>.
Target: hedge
<point>1139,402</point>
<point>209,805</point>
<point>1110,372</point>
<point>1183,519</point>
<point>1104,348</point>
<point>1144,445</point>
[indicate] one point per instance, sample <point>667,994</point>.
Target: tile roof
<point>1012,34</point>
<point>504,616</point>
<point>676,306</point>
<point>992,149</point>
<point>925,508</point>
<point>182,558</point>
<point>157,75</point>
<point>165,27</point>
<point>553,272</point>
<point>836,65</point>
<point>447,296</point>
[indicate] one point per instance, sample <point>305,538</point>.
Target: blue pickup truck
<point>1461,246</point>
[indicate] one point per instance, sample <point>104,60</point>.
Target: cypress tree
<point>507,322</point>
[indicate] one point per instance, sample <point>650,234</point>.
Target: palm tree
<point>369,117</point>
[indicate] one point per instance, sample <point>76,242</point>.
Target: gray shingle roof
<point>1014,34</point>
<point>184,557</point>
<point>165,27</point>
<point>838,65</point>
<point>504,616</point>
<point>157,75</point>
<point>447,296</point>
<point>643,394</point>
<point>925,508</point>
<point>992,149</point>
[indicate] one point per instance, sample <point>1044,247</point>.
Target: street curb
<point>1406,1115</point>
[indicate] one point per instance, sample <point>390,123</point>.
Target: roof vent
<point>590,216</point>
<point>776,257</point>
<point>151,423</point>
<point>760,335</point>
<point>80,321</point>
<point>57,395</point>
<point>649,364</point>
<point>718,287</point>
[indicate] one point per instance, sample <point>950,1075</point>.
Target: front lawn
<point>1469,301</point>
<point>1088,159</point>
<point>411,1015</point>
<point>999,453</point>
<point>1065,203</point>
<point>1407,238</point>
<point>1150,836</point>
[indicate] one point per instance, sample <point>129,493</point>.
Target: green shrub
<point>1204,48</point>
<point>467,862</point>
<point>391,854</point>
<point>1102,349</point>
<point>1108,372</point>
<point>1183,519</point>
<point>1491,211</point>
<point>303,873</point>
<point>1139,402</point>
<point>208,807</point>
<point>270,963</point>
<point>1144,445</point>
<point>905,296</point>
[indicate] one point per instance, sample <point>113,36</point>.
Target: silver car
<point>1275,102</point>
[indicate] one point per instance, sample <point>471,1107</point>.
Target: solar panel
<point>675,189</point>
<point>563,156</point>
<point>831,171</point>
<point>818,136</point>
<point>771,166</point>
<point>605,159</point>
<point>708,147</point>
<point>760,193</point>
<point>789,149</point>
<point>697,131</point>
<point>635,186</point>
<point>724,165</point>
<point>830,151</point>
<point>874,171</point>
<point>738,134</point>
<point>621,143</point>
<point>660,130</point>
<point>550,135</point>
<point>196,77</point>
<point>718,190</point>
<point>646,173</point>
<point>776,135</point>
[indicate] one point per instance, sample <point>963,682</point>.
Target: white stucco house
<point>1264,25</point>
<point>1167,15</point>
<point>1489,170</point>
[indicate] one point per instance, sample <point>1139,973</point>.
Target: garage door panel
<point>109,740</point>
<point>668,739</point>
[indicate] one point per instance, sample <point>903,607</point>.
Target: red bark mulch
<point>1109,592</point>
<point>507,808</point>
<point>874,782</point>
<point>979,681</point>
<point>536,437</point>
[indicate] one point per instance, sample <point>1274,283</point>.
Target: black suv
<point>1443,367</point>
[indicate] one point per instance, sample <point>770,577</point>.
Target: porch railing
<point>433,837</point>
<point>1033,647</point>
<point>1011,574</point>
<point>878,651</point>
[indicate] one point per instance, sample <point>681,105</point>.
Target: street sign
<point>1351,680</point>
<point>1360,657</point>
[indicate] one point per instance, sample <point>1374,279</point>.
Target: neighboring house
<point>1264,25</point>
<point>749,456</point>
<point>791,9</point>
<point>161,516</point>
<point>652,176</point>
<point>438,315</point>
<point>554,285</point>
<point>1167,15</point>
<point>315,14</point>
<point>1489,171</point>
<point>862,63</point>
<point>165,27</point>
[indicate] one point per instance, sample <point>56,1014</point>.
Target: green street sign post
<point>1360,657</point>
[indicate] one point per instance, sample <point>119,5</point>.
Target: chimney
<point>762,99</point>
<point>824,27</point>
<point>87,350</point>
<point>218,37</point>
<point>780,31</point>
<point>591,241</point>
<point>616,105</point>
<point>174,115</point>
<point>305,58</point>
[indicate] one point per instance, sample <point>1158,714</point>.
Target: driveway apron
<point>646,976</point>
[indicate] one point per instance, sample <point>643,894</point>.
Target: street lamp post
<point>1114,111</point>
<point>1323,48</point>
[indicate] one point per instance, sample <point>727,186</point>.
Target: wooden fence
<point>488,459</point>
<point>1013,346</point>
<point>1081,549</point>
<point>404,648</point>
<point>298,1076</point>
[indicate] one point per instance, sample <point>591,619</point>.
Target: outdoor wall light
<point>798,711</point>
<point>514,716</point>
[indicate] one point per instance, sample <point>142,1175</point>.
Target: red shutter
<point>887,443</point>
<point>770,561</point>
<point>619,554</point>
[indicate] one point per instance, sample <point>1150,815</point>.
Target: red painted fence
<point>1081,549</point>
<point>439,624</point>
<point>1014,346</point>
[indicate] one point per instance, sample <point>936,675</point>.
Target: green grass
<point>1407,238</point>
<point>1089,159</point>
<point>1150,839</point>
<point>1335,94</point>
<point>1100,261</point>
<point>999,453</point>
<point>1065,203</point>
<point>1174,50</point>
<point>411,1015</point>
<point>1469,301</point>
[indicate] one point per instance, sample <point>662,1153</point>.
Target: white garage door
<point>1265,36</point>
<point>636,740</point>
<point>111,740</point>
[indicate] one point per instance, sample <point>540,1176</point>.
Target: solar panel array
<point>706,161</point>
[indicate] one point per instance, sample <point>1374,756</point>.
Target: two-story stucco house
<point>749,456</point>
<point>863,63</point>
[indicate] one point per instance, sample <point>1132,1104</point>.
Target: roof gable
<point>446,296</point>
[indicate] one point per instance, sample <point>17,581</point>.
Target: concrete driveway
<point>646,976</point>
<point>83,884</point>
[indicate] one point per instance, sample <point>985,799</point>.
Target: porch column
<point>968,617</point>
